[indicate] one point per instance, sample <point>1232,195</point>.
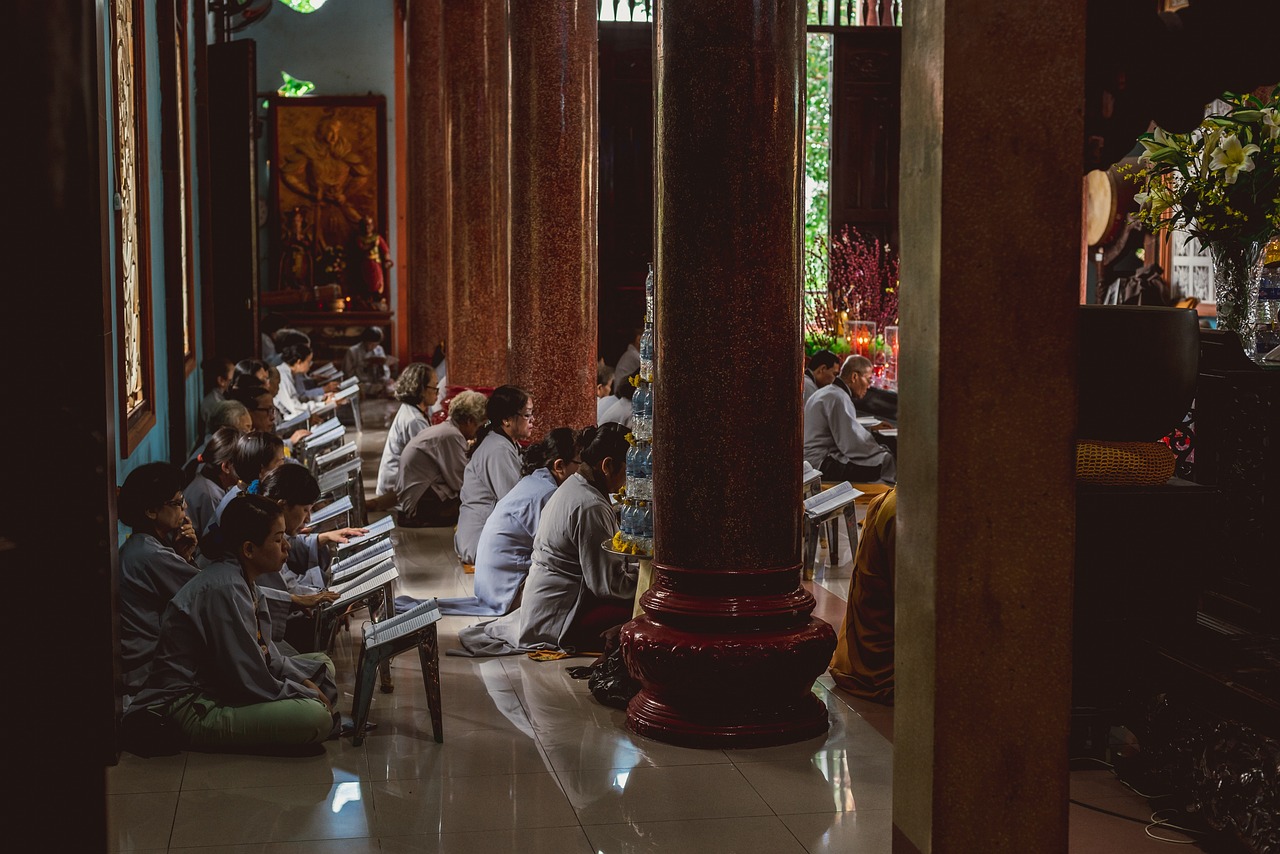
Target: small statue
<point>296,257</point>
<point>374,257</point>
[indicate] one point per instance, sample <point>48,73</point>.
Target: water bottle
<point>648,412</point>
<point>633,471</point>
<point>646,354</point>
<point>648,296</point>
<point>628,522</point>
<point>644,528</point>
<point>1267,326</point>
<point>641,414</point>
<point>646,471</point>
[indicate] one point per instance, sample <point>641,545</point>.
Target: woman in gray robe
<point>494,467</point>
<point>217,673</point>
<point>155,562</point>
<point>417,391</point>
<point>433,462</point>
<point>506,544</point>
<point>215,476</point>
<point>575,590</point>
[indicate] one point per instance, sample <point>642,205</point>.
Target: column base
<point>727,690</point>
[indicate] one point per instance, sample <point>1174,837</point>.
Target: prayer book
<point>364,542</point>
<point>402,625</point>
<point>362,562</point>
<point>337,477</point>
<point>356,561</point>
<point>349,382</point>
<point>285,429</point>
<point>812,477</point>
<point>324,372</point>
<point>347,393</point>
<point>868,420</point>
<point>362,585</point>
<point>341,455</point>
<point>316,441</point>
<point>330,511</point>
<point>326,426</point>
<point>890,433</point>
<point>835,498</point>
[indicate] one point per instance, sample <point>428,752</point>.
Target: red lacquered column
<point>475,48</point>
<point>554,191</point>
<point>728,649</point>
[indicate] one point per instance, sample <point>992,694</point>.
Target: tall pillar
<point>554,192</point>
<point>475,48</point>
<point>428,232</point>
<point>728,649</point>
<point>991,224</point>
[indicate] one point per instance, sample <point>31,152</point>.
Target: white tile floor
<point>532,764</point>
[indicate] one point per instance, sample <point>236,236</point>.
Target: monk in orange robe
<point>863,661</point>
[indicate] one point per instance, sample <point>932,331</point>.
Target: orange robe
<point>863,661</point>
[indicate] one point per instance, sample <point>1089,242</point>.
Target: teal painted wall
<point>345,48</point>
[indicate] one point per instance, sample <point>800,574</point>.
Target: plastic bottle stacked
<point>637,511</point>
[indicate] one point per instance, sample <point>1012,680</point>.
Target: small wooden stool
<point>415,628</point>
<point>827,508</point>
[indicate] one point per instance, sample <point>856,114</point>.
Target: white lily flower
<point>1158,142</point>
<point>1271,119</point>
<point>1233,158</point>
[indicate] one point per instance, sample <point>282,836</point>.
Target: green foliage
<point>817,167</point>
<point>815,341</point>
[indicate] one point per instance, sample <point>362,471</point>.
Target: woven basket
<point>1124,463</point>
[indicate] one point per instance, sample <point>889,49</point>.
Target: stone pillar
<point>428,232</point>
<point>554,192</point>
<point>991,225</point>
<point>728,649</point>
<point>475,49</point>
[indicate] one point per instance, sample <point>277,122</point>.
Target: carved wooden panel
<point>865,135</point>
<point>128,96</point>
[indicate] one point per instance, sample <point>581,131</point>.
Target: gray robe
<point>215,640</point>
<point>491,472</point>
<point>628,364</point>
<point>151,573</point>
<point>568,562</point>
<point>203,497</point>
<point>831,429</point>
<point>409,422</point>
<point>434,459</point>
<point>302,573</point>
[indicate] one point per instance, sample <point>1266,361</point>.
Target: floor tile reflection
<point>753,835</point>
<point>495,802</point>
<point>529,840</point>
<point>272,814</point>
<point>616,795</point>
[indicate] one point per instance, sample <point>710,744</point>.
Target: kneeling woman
<point>217,672</point>
<point>506,543</point>
<point>575,590</point>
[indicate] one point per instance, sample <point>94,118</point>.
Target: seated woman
<point>217,673</point>
<point>299,584</point>
<point>494,466</point>
<point>575,590</point>
<point>154,562</point>
<point>620,411</point>
<point>506,543</point>
<point>863,660</point>
<point>297,361</point>
<point>215,476</point>
<point>416,390</point>
<point>255,455</point>
<point>432,464</point>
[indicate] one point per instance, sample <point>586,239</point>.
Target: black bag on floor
<point>607,677</point>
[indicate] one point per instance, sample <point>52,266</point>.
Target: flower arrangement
<point>1221,184</point>
<point>861,276</point>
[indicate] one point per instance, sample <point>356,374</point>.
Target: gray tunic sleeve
<point>602,572</point>
<point>244,672</point>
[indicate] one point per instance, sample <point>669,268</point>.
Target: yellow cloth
<point>863,661</point>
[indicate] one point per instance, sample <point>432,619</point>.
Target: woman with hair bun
<point>416,390</point>
<point>494,467</point>
<point>155,562</point>
<point>215,476</point>
<point>505,549</point>
<point>576,590</point>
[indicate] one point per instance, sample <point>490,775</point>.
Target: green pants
<point>209,725</point>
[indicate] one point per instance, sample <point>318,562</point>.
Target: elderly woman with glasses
<point>155,562</point>
<point>416,390</point>
<point>494,467</point>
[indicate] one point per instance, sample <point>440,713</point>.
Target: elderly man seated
<point>834,442</point>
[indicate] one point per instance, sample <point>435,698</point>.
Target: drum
<point>1108,205</point>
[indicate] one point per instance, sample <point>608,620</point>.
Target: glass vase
<point>1235,283</point>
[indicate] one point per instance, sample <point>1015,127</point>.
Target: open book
<point>285,429</point>
<point>337,476</point>
<point>316,442</point>
<point>362,585</point>
<point>345,570</point>
<point>325,372</point>
<point>330,511</point>
<point>347,393</point>
<point>349,382</point>
<point>415,619</point>
<point>340,455</point>
<point>835,498</point>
